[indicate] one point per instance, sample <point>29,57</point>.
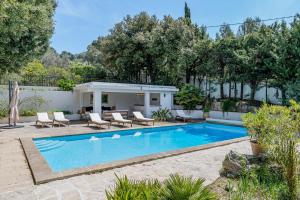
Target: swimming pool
<point>75,151</point>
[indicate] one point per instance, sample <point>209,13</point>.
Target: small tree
<point>277,128</point>
<point>189,97</point>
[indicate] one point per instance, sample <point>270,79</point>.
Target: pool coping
<point>42,172</point>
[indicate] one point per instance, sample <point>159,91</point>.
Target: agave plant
<point>163,114</point>
<point>185,188</point>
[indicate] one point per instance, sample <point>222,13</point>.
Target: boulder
<point>234,164</point>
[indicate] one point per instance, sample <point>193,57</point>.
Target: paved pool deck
<point>16,181</point>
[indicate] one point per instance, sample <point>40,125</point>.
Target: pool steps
<point>46,145</point>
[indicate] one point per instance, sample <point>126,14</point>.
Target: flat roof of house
<point>115,87</point>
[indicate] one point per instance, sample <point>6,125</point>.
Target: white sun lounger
<point>138,116</point>
<point>117,117</point>
<point>59,117</point>
<point>43,119</point>
<point>96,119</point>
<point>182,115</point>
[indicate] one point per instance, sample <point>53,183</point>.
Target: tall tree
<point>286,67</point>
<point>250,25</point>
<point>187,13</point>
<point>223,55</point>
<point>25,29</point>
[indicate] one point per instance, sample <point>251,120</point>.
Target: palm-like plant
<point>185,188</point>
<point>126,189</point>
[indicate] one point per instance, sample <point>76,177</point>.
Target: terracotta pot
<point>256,148</point>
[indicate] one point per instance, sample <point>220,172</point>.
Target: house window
<point>104,98</point>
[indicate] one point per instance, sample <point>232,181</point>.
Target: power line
<point>260,20</point>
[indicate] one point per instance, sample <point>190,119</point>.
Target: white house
<point>100,96</point>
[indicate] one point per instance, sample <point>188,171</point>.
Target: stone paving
<point>16,181</point>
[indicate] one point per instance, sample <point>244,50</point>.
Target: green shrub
<point>163,114</point>
<point>66,84</point>
<point>3,109</point>
<point>228,105</point>
<point>135,190</point>
<point>277,128</point>
<point>180,188</point>
<point>189,97</point>
<point>174,188</point>
<point>30,112</point>
<point>261,182</point>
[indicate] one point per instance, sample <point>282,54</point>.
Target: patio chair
<point>182,115</point>
<point>117,117</point>
<point>138,116</point>
<point>43,119</point>
<point>59,117</point>
<point>96,119</point>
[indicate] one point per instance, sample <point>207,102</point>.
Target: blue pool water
<point>69,152</point>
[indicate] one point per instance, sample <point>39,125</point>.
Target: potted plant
<point>254,122</point>
<point>206,110</point>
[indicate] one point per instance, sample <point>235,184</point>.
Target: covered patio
<point>101,97</point>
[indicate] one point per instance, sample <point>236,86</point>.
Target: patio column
<point>147,104</point>
<point>97,101</point>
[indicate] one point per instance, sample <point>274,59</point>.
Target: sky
<point>79,22</point>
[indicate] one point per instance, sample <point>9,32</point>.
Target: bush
<point>175,187</point>
<point>66,84</point>
<point>189,97</point>
<point>228,105</point>
<point>277,128</point>
<point>129,189</point>
<point>181,188</point>
<point>30,112</point>
<point>163,114</point>
<point>261,182</point>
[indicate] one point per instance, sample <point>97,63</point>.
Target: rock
<point>234,164</point>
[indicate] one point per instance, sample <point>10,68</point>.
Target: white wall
<point>56,100</point>
<point>274,95</point>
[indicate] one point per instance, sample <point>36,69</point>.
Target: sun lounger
<point>43,119</point>
<point>59,117</point>
<point>117,117</point>
<point>96,119</point>
<point>138,116</point>
<point>182,115</point>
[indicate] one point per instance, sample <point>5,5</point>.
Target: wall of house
<point>55,99</point>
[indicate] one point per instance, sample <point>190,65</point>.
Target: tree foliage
<point>189,97</point>
<point>25,29</point>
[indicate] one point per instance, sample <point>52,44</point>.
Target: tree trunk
<point>235,90</point>
<point>266,90</point>
<point>283,96</point>
<point>253,87</point>
<point>187,76</point>
<point>206,85</point>
<point>222,90</point>
<point>242,91</point>
<point>229,90</point>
